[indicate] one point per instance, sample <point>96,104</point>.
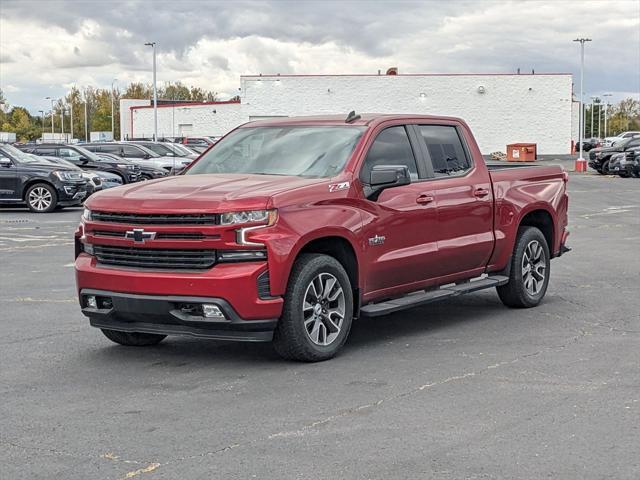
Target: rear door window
<point>129,151</point>
<point>448,156</point>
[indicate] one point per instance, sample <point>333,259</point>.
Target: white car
<point>610,141</point>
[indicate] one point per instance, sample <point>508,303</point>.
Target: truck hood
<point>203,193</point>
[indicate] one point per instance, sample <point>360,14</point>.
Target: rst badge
<point>377,240</point>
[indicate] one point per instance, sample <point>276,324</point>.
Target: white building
<point>500,108</point>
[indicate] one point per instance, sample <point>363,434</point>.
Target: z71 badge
<point>334,187</point>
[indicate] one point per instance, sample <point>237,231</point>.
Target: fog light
<point>91,301</point>
<point>212,311</point>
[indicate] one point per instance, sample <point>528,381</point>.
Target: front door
<point>8,178</point>
<point>464,200</point>
<point>401,241</point>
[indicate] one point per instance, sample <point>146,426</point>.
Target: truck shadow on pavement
<point>366,335</point>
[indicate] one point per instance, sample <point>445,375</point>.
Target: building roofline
<point>185,104</point>
<point>278,75</point>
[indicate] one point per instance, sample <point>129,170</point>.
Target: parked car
<point>138,154</point>
<point>610,141</point>
<point>86,160</point>
<point>41,185</point>
<point>588,144</point>
<point>147,172</point>
<point>599,157</point>
<point>287,233</point>
<point>167,149</point>
<point>199,144</point>
<point>625,164</point>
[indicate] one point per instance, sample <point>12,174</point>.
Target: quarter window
<point>445,150</point>
<point>391,147</point>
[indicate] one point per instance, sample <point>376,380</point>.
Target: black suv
<point>128,171</point>
<point>599,157</point>
<point>39,183</point>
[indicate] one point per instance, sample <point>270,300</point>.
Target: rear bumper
<point>168,315</point>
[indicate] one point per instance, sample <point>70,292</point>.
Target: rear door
<point>463,198</point>
<point>401,242</point>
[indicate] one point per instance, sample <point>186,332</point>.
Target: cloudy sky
<point>46,46</point>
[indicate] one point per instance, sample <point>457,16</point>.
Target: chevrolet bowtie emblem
<point>139,235</point>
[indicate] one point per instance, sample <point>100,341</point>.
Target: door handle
<point>480,192</point>
<point>424,199</point>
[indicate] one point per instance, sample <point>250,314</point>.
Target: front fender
<point>297,227</point>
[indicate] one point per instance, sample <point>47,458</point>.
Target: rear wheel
<point>41,198</point>
<point>133,339</point>
<point>318,310</point>
<point>529,275</point>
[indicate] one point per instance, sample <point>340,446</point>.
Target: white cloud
<point>63,43</point>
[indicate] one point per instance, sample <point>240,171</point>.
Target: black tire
<point>291,339</point>
<point>133,339</point>
<point>515,293</point>
<point>41,198</point>
<point>605,168</point>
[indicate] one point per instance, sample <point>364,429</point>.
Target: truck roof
<point>366,119</point>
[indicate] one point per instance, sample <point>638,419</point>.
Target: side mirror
<point>147,156</point>
<point>387,176</point>
<point>5,162</point>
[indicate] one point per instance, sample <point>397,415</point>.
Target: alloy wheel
<point>534,266</point>
<point>323,309</point>
<point>40,198</point>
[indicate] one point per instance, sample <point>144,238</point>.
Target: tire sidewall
<point>295,297</point>
<point>526,236</point>
<point>52,191</point>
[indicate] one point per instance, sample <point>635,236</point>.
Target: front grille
<point>156,219</point>
<point>155,258</point>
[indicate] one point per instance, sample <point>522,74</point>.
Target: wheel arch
<point>35,181</point>
<point>542,219</point>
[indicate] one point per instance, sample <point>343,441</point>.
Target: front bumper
<point>172,315</point>
<point>72,193</point>
<point>235,283</point>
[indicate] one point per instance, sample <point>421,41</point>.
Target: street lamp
<point>155,93</point>
<point>62,118</point>
<point>113,131</point>
<point>606,110</point>
<point>52,108</point>
<point>581,163</point>
<point>42,115</point>
<point>593,99</point>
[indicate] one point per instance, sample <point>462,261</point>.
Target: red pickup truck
<point>288,229</point>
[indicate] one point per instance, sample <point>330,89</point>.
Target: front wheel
<point>133,339</point>
<point>529,275</point>
<point>318,310</point>
<point>41,198</point>
<point>605,168</point>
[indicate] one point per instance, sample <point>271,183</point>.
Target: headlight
<point>124,165</point>
<point>267,217</point>
<point>68,176</point>
<point>86,214</point>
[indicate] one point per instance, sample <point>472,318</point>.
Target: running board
<point>423,297</point>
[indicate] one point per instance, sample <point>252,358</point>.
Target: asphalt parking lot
<point>462,389</point>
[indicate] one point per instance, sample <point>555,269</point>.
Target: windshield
<point>19,155</point>
<point>87,154</point>
<point>285,150</point>
<point>158,148</point>
<point>180,149</point>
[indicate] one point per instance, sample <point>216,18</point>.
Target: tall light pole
<point>52,101</point>
<point>155,93</point>
<point>71,112</point>
<point>593,99</point>
<point>42,115</point>
<point>62,119</point>
<point>86,123</point>
<point>606,111</point>
<point>581,163</point>
<point>113,118</point>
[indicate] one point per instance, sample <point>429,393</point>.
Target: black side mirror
<point>387,176</point>
<point>146,155</point>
